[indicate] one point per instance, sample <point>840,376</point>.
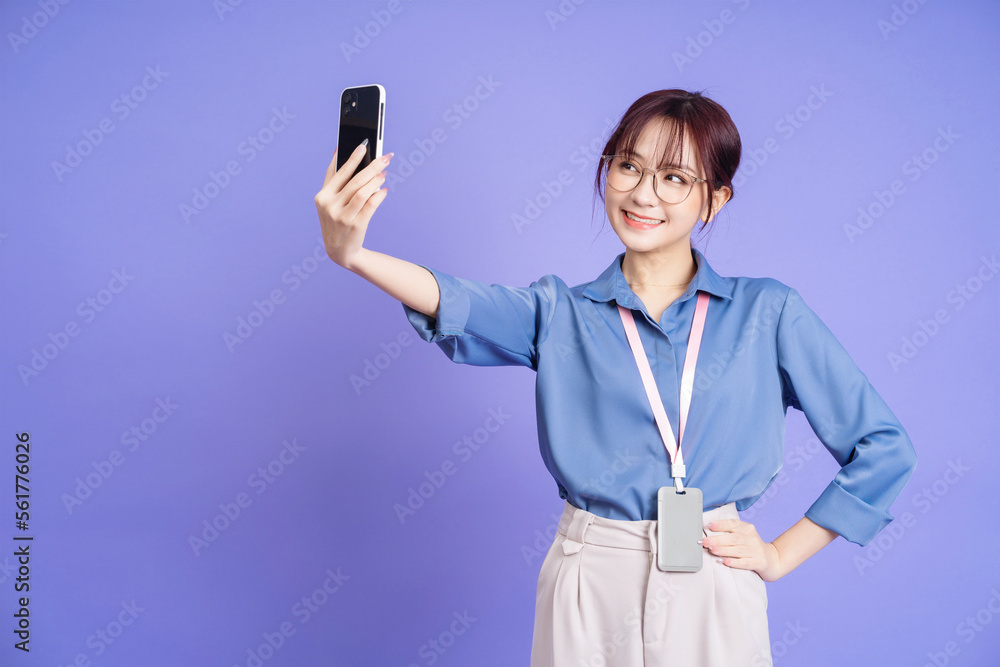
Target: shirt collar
<point>611,285</point>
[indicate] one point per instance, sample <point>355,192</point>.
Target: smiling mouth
<point>639,220</point>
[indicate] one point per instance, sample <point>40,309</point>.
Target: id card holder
<point>678,529</point>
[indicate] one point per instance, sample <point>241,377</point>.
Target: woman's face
<point>670,224</point>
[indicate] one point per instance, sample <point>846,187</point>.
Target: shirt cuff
<point>848,515</point>
<point>452,313</point>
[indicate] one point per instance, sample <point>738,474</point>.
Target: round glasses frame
<point>642,175</point>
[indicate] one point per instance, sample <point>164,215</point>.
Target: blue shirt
<point>763,350</point>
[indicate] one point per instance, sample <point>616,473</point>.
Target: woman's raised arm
<point>345,206</point>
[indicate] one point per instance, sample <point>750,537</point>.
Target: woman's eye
<point>677,179</point>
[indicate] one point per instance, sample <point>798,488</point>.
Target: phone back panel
<point>362,113</point>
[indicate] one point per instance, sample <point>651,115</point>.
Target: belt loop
<point>576,530</point>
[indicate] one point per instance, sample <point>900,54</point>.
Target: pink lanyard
<point>677,470</point>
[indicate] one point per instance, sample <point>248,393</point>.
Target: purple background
<point>558,80</point>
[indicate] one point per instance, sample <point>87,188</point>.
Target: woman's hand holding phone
<point>345,204</point>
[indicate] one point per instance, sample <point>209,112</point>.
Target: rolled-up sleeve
<point>487,324</point>
<point>850,419</point>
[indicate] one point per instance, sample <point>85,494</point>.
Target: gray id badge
<point>678,529</point>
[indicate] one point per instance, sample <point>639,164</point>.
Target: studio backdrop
<point>220,448</point>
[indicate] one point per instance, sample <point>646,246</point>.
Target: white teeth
<point>644,221</point>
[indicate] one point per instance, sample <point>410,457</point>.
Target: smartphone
<point>362,116</point>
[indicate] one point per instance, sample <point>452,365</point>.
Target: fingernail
<point>700,541</point>
<point>365,142</point>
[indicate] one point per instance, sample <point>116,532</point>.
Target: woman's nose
<point>644,191</point>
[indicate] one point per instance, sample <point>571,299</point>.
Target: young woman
<point>611,410</point>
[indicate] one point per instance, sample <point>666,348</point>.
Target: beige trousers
<point>603,602</point>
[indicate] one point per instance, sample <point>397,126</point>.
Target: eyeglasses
<point>671,185</point>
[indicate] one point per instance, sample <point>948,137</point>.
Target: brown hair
<point>713,135</point>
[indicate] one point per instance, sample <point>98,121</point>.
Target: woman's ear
<point>719,199</point>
